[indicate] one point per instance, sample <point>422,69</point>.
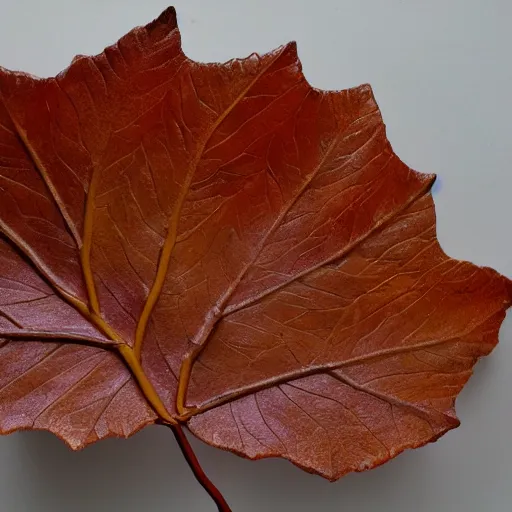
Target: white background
<point>442,74</point>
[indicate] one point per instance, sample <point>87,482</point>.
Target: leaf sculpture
<point>225,247</point>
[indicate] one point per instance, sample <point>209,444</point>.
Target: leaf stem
<point>200,475</point>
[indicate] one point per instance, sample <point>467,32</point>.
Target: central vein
<point>170,241</point>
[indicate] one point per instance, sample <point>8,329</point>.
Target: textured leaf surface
<point>248,247</point>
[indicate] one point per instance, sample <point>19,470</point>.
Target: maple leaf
<point>226,247</point>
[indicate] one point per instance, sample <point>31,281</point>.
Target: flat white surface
<point>442,76</point>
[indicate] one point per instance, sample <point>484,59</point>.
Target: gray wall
<point>441,72</point>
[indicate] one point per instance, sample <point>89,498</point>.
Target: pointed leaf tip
<point>167,22</point>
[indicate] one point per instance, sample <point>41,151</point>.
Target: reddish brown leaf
<point>249,247</point>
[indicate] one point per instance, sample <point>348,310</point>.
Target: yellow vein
<point>170,241</point>
<point>85,253</point>
<point>128,355</point>
<point>45,176</point>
